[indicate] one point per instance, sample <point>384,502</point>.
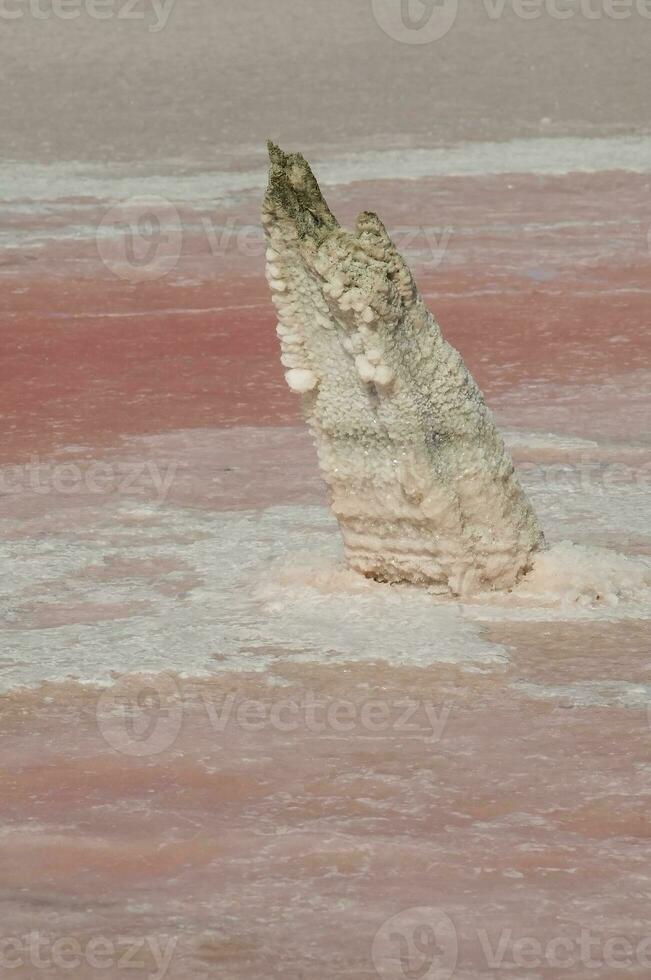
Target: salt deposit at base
<point>215,589</point>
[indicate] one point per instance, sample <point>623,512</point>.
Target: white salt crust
<point>243,590</point>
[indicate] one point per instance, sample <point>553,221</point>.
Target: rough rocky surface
<point>420,481</point>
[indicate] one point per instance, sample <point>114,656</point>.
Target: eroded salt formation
<point>420,481</point>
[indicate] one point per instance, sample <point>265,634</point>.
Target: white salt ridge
<point>25,181</point>
<point>571,581</point>
<point>570,573</point>
<point>521,439</point>
<point>536,155</point>
<point>583,694</point>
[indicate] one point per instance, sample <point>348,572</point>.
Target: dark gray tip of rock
<point>294,194</point>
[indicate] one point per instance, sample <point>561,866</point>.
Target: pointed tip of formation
<point>293,191</point>
<point>276,155</point>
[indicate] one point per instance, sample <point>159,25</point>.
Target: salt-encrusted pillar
<point>420,481</point>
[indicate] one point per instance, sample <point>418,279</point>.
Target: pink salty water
<point>225,756</point>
